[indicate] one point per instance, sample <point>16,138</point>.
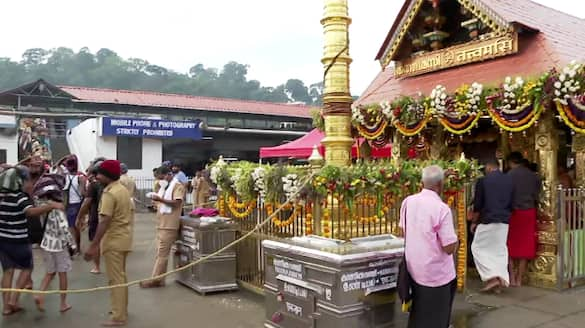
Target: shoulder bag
<point>404,282</point>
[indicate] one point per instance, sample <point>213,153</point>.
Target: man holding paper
<point>170,198</point>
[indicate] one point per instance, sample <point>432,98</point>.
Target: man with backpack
<point>75,185</point>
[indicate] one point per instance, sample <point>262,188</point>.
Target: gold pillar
<point>543,270</point>
<point>336,95</point>
<point>579,150</point>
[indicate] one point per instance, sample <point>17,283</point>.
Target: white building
<point>88,141</point>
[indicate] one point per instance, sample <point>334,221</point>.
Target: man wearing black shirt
<point>492,210</point>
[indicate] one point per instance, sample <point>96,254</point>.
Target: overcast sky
<point>279,39</point>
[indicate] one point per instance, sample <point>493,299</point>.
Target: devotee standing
<point>170,200</point>
<point>492,211</point>
<point>177,169</point>
<point>203,190</point>
<point>15,248</point>
<point>90,208</point>
<point>75,190</point>
<point>114,232</point>
<point>195,186</point>
<point>427,224</point>
<point>57,238</point>
<point>522,228</point>
<point>36,167</point>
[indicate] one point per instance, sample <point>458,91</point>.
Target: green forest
<point>106,69</point>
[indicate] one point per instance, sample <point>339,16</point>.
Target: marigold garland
<point>287,207</point>
<point>521,125</point>
<point>235,207</point>
<point>410,132</point>
<point>462,234</point>
<point>309,219</point>
<point>326,222</point>
<point>463,127</point>
<point>371,202</point>
<point>572,118</point>
<point>568,118</point>
<point>221,206</point>
<point>375,134</point>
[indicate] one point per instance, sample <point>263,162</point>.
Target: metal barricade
<point>571,235</point>
<point>335,220</point>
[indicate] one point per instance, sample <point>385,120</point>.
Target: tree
<point>34,57</point>
<point>297,91</point>
<point>108,70</point>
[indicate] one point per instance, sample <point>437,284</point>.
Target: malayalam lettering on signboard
<point>149,128</point>
<point>289,269</point>
<point>378,276</point>
<point>472,52</point>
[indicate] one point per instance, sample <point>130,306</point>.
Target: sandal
<point>151,284</point>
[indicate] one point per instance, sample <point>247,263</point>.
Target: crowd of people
<point>504,227</point>
<point>51,206</point>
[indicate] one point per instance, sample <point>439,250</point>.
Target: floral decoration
<point>371,120</point>
<point>515,105</point>
<point>439,100</point>
<point>258,176</point>
<point>290,186</point>
<point>569,83</point>
<point>519,106</point>
<point>411,115</point>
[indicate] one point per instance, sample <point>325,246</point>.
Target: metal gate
<point>571,228</point>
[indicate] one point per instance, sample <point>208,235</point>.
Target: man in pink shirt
<point>427,224</point>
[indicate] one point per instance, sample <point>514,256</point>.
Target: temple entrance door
<point>481,151</point>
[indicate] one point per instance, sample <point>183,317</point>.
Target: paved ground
<point>176,306</point>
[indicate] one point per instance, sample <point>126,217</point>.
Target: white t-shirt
<point>57,236</point>
<point>72,184</point>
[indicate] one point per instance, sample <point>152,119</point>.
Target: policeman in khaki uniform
<point>170,197</point>
<point>114,233</point>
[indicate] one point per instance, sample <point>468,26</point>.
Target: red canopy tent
<point>303,147</point>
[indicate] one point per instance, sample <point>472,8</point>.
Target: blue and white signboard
<point>148,128</point>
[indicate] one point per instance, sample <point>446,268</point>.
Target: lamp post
<point>336,95</point>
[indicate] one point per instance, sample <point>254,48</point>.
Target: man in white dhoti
<point>492,211</point>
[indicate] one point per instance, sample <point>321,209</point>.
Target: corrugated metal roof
<point>165,100</point>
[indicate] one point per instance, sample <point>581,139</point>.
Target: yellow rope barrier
<point>192,264</point>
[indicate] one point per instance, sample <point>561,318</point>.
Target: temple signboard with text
<point>150,128</point>
<point>458,55</point>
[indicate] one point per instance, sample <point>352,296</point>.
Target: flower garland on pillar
<point>309,218</point>
<point>462,232</point>
<point>221,205</point>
